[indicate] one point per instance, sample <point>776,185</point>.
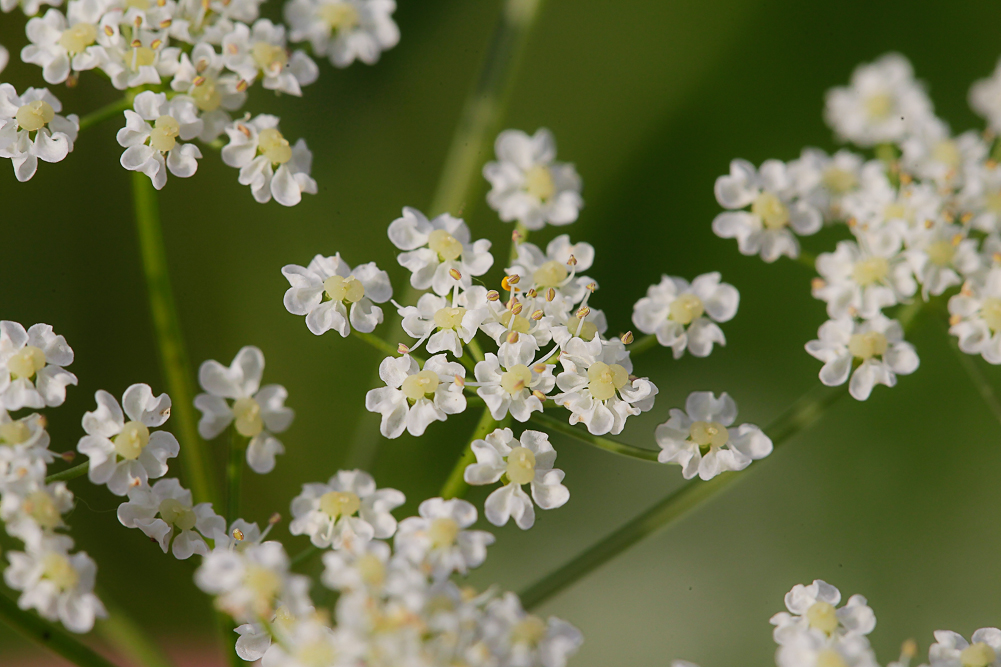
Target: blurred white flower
<point>976,316</point>
<point>813,608</point>
<point>344,30</point>
<point>952,649</point>
<point>31,366</point>
<point>164,512</point>
<point>61,44</point>
<point>261,50</point>
<point>438,538</point>
<point>684,316</point>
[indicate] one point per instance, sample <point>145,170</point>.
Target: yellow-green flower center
<point>879,106</point>
<point>58,569</point>
<point>78,38</point>
<point>604,379</point>
<point>708,435</point>
<point>443,532</point>
<point>839,181</point>
<point>521,465</point>
<point>175,513</point>
<point>206,94</point>
<point>587,331</point>
<point>449,317</point>
<point>521,323</point>
<point>339,503</point>
<point>163,136</point>
<point>14,433</point>
<point>269,57</point>
<point>132,440</point>
<point>529,630</point>
<point>940,253</point>
<point>516,378</point>
<point>867,345</point>
<point>372,570</point>
<point>828,657</point>
<point>871,270</point>
<point>990,312</point>
<point>419,385</point>
<point>686,308</point>
<point>272,145</point>
<point>28,361</point>
<point>773,213</point>
<point>447,246</point>
<point>34,115</point>
<point>539,182</point>
<point>822,616</point>
<point>339,15</point>
<point>550,274</point>
<point>977,655</point>
<point>43,510</point>
<point>247,417</point>
<point>349,290</point>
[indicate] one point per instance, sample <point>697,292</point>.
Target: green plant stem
<point>106,112</point>
<point>455,486</point>
<point>474,349</point>
<point>642,345</point>
<point>55,639</point>
<point>979,380</point>
<point>234,475</point>
<point>802,414</point>
<point>620,448</point>
<point>304,555</point>
<point>70,473</point>
<point>129,638</point>
<point>170,341</point>
<point>377,343</point>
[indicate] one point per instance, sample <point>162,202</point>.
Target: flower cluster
<point>186,67</point>
<point>920,217</point>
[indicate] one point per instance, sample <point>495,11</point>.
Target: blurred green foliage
<point>896,498</point>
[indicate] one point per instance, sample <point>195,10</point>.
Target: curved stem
<point>979,380</point>
<point>802,414</point>
<point>57,640</point>
<point>456,486</point>
<point>619,448</point>
<point>378,343</point>
<point>474,349</point>
<point>642,345</point>
<point>234,475</point>
<point>105,112</point>
<point>172,351</point>
<point>69,473</point>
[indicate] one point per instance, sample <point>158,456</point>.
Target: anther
<point>818,283</point>
<point>627,338</point>
<point>244,130</point>
<point>948,217</point>
<point>72,80</point>
<point>199,80</point>
<point>109,31</point>
<point>166,23</point>
<point>455,274</point>
<point>402,349</point>
<point>516,236</point>
<point>996,257</point>
<point>493,295</point>
<point>905,179</point>
<point>966,217</point>
<point>539,368</point>
<point>909,649</point>
<point>537,315</point>
<point>274,518</point>
<point>583,312</point>
<point>572,261</point>
<point>531,294</point>
<point>539,395</point>
<point>138,21</point>
<point>550,294</point>
<point>512,337</point>
<point>68,456</point>
<point>929,224</point>
<point>517,308</point>
<point>957,239</point>
<point>591,287</point>
<point>460,381</point>
<point>238,535</point>
<point>241,85</point>
<point>851,222</point>
<point>514,279</point>
<point>954,320</point>
<point>136,43</point>
<point>156,44</point>
<point>506,283</point>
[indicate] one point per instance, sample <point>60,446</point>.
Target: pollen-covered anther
<point>583,312</point>
<point>627,338</point>
<point>966,217</point>
<point>138,21</point>
<point>68,456</point>
<point>851,222</point>
<point>493,295</point>
<point>136,44</point>
<point>539,395</point>
<point>966,289</point>
<point>506,283</point>
<point>531,294</point>
<point>109,31</point>
<point>135,482</point>
<point>572,261</point>
<point>166,23</point>
<point>550,294</point>
<point>241,85</point>
<point>244,130</point>
<point>517,308</point>
<point>455,274</point>
<point>238,535</point>
<point>402,349</point>
<point>514,279</point>
<point>512,337</point>
<point>905,179</point>
<point>539,368</point>
<point>538,315</point>
<point>590,287</point>
<point>460,381</point>
<point>929,224</point>
<point>516,236</point>
<point>199,80</point>
<point>957,239</point>
<point>274,518</point>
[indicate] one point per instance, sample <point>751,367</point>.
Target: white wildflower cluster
<point>815,631</point>
<point>921,216</point>
<point>50,577</point>
<point>186,68</point>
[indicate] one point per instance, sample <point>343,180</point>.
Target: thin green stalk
<point>234,475</point>
<point>455,486</point>
<point>70,473</point>
<point>304,555</point>
<point>104,113</point>
<point>30,625</point>
<point>170,341</point>
<point>129,638</point>
<point>620,448</point>
<point>642,345</point>
<point>377,343</point>
<point>802,414</point>
<point>979,380</point>
<point>474,349</point>
<point>460,176</point>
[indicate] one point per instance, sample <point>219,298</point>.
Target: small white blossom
<point>24,450</point>
<point>58,585</point>
<point>554,269</point>
<point>310,643</point>
<point>438,539</point>
<point>347,510</point>
<point>528,185</point>
<point>526,460</point>
<point>511,382</point>
<point>826,179</point>
<point>4,57</point>
<point>34,510</point>
<point>813,608</point>
<point>124,454</point>
<point>164,512</point>
<point>863,278</point>
<point>30,7</point>
<point>344,30</point>
<point>256,412</point>
<point>36,111</point>
<point>597,386</point>
<point>140,59</point>
<point>676,312</point>
<point>976,317</point>
<point>812,650</point>
<point>952,650</point>
<point>524,639</point>
<point>151,137</point>
<point>261,50</point>
<point>267,163</point>
<point>31,366</point>
<point>701,441</point>
<point>436,247</point>
<point>985,98</point>
<point>456,323</point>
<point>328,287</point>
<point>200,76</point>
<point>882,104</point>
<point>412,397</point>
<point>61,44</point>
<point>878,344</point>
<point>941,256</point>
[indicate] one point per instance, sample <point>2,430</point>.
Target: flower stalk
<point>455,486</point>
<point>49,636</point>
<point>620,448</point>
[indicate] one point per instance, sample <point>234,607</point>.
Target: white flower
<point>436,247</point>
<point>813,650</point>
<point>347,510</point>
<point>525,639</point>
<point>248,583</point>
<point>310,643</point>
<point>166,507</point>
<point>140,59</point>
<point>812,608</point>
<point>528,185</point>
<point>24,451</point>
<point>940,256</point>
<point>777,210</point>
<point>511,382</point>
<point>825,179</point>
<point>933,154</point>
<point>554,269</point>
<point>862,279</point>
<point>210,21</point>
<point>32,511</point>
<point>37,110</point>
<point>328,287</point>
<point>59,586</point>
<point>261,50</point>
<point>527,460</point>
<point>597,386</point>
<point>952,650</point>
<point>976,317</point>
<point>985,98</point>
<point>456,323</point>
<point>256,412</point>
<point>413,398</point>
<point>344,30</point>
<point>60,44</point>
<point>124,454</point>
<point>980,195</point>
<point>267,163</point>
<point>676,312</point>
<point>200,76</point>
<point>152,132</point>
<point>438,539</point>
<point>882,105</point>
<point>30,7</point>
<point>701,441</point>
<point>31,366</point>
<point>878,203</point>
<point>878,344</point>
<point>255,639</point>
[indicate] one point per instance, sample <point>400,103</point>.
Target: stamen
<point>402,349</point>
<point>238,535</point>
<point>512,336</point>
<point>241,85</point>
<point>68,456</point>
<point>493,295</point>
<point>460,381</point>
<point>166,23</point>
<point>550,294</point>
<point>572,261</point>
<point>627,338</point>
<point>108,30</point>
<point>537,315</point>
<point>539,395</point>
<point>455,274</point>
<point>274,518</point>
<point>583,312</point>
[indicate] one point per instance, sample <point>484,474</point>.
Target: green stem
<point>802,414</point>
<point>642,345</point>
<point>807,259</point>
<point>620,448</point>
<point>455,486</point>
<point>69,473</point>
<point>304,555</point>
<point>378,343</point>
<point>129,638</point>
<point>172,352</point>
<point>979,380</point>
<point>57,640</point>
<point>474,349</point>
<point>104,113</point>
<point>234,475</point>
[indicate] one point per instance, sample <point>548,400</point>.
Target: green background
<point>896,498</point>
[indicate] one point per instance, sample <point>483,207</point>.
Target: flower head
<point>415,397</point>
<point>31,366</point>
<point>267,163</point>
<point>344,30</point>
<point>164,512</point>
<point>154,136</point>
<point>684,316</point>
<point>36,112</point>
<point>438,539</point>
